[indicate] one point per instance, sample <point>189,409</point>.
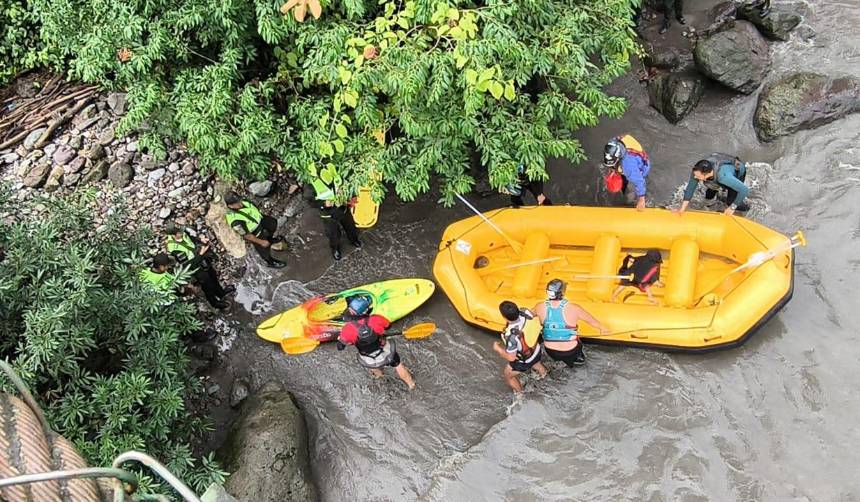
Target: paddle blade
<point>295,346</point>
<point>422,330</point>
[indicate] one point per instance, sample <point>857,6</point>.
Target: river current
<point>776,419</point>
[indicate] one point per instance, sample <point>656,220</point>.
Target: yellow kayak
<point>320,318</point>
<point>710,299</point>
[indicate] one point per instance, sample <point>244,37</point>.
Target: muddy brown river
<point>776,419</point>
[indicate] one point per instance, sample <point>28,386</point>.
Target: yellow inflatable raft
<point>724,276</point>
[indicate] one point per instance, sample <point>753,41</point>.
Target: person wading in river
<point>719,171</point>
<point>560,319</point>
<point>365,331</point>
<point>626,161</point>
<point>515,347</point>
<point>518,189</point>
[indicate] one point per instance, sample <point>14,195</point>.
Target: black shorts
<point>523,366</point>
<point>568,357</point>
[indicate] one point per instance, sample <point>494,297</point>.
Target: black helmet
<point>704,166</point>
<point>555,289</point>
<point>172,228</point>
<point>161,260</point>
<point>231,198</point>
<point>613,152</point>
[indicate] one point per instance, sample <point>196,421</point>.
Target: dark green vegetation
<point>101,352</point>
<point>406,90</point>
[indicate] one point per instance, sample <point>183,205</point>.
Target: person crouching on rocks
<point>255,227</point>
<point>515,347</point>
<point>366,332</point>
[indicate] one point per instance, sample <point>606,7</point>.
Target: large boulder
<point>232,242</point>
<point>738,57</point>
<point>776,25</point>
<point>676,94</point>
<point>804,101</point>
<point>267,450</point>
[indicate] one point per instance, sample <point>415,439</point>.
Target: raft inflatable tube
<point>705,304</point>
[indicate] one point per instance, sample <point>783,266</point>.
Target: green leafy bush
<point>20,48</point>
<point>101,352</point>
<point>441,82</point>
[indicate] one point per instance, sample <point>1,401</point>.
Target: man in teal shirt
<point>719,171</point>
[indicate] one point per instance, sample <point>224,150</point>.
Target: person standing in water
<point>515,347</point>
<point>560,320</point>
<point>366,332</point>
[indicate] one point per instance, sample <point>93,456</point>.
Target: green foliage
<point>442,81</point>
<point>101,352</point>
<point>20,48</point>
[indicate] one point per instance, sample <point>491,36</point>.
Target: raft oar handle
<point>516,246</point>
<point>303,345</point>
<point>760,258</point>
<point>585,277</point>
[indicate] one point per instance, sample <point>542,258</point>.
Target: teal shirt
<point>725,176</point>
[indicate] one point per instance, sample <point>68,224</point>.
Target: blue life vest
<point>555,329</point>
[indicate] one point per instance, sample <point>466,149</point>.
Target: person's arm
<point>727,179</point>
<point>379,324</point>
<point>632,167</point>
<point>504,353</point>
<point>692,183</point>
<point>348,336</point>
<point>581,313</point>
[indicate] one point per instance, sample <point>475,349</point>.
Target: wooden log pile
<point>56,104</point>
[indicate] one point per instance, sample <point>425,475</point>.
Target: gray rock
<point>120,174</point>
<point>777,25</point>
<point>9,158</point>
<point>173,167</point>
<point>177,192</point>
<point>33,137</point>
<point>55,179</point>
<point>216,493</point>
<point>117,102</point>
<point>294,207</point>
<point>71,179</point>
<point>76,165</point>
<point>261,188</point>
<point>76,142</point>
<point>154,176</point>
<point>83,125</point>
<point>804,101</point>
<point>107,136</point>
<point>37,175</point>
<point>188,168</point>
<point>64,154</point>
<point>267,450</point>
<point>738,58</point>
<point>667,60</point>
<point>147,162</point>
<point>131,146</point>
<point>95,152</point>
<point>229,239</point>
<point>96,173</point>
<point>164,213</point>
<point>49,150</point>
<point>239,392</point>
<point>676,94</point>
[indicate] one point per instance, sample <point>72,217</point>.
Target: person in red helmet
<point>366,332</point>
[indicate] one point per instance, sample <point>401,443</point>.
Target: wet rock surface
<point>738,57</point>
<point>804,101</point>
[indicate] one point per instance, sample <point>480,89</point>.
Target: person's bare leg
<point>377,373</point>
<point>540,368</point>
<point>651,297</point>
<point>512,377</point>
<point>404,375</point>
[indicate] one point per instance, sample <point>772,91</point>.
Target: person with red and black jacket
<point>366,332</point>
<point>645,271</point>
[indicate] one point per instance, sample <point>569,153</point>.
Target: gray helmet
<point>613,152</point>
<point>555,289</point>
